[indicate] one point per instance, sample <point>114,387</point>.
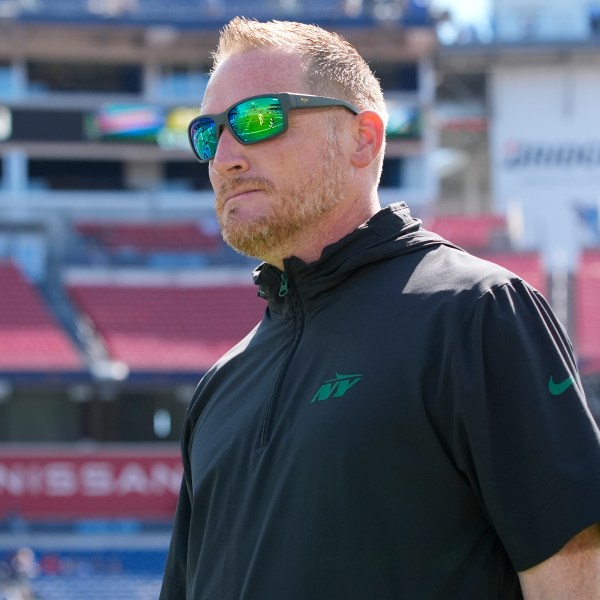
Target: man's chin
<point>256,244</point>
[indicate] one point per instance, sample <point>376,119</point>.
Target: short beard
<point>295,208</point>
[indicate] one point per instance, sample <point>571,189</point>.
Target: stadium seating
<point>30,338</point>
<point>97,574</point>
<point>147,242</point>
<point>587,311</point>
<point>169,328</point>
<point>201,11</point>
<point>471,232</point>
<point>527,265</point>
<point>148,237</point>
<point>115,587</point>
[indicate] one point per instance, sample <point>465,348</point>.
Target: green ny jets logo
<point>336,388</point>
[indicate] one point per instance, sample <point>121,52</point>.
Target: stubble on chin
<point>251,238</point>
<point>246,234</point>
<point>291,210</point>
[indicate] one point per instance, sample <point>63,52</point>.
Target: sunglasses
<point>252,120</point>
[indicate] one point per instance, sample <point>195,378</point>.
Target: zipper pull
<point>283,285</point>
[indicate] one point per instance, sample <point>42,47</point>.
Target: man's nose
<point>231,155</point>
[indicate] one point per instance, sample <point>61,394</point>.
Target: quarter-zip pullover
<point>387,431</point>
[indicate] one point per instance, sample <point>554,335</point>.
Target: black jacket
<point>406,422</point>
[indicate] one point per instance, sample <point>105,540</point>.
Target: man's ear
<point>369,134</point>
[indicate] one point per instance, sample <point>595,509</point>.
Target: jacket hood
<point>390,232</point>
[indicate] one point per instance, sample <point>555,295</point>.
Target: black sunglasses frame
<point>286,100</point>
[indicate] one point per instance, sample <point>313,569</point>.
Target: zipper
<point>284,286</point>
<point>284,290</point>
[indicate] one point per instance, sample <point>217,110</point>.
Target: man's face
<point>270,195</point>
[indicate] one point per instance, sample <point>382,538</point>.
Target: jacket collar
<point>390,232</point>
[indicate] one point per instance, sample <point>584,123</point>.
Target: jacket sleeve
<point>174,580</point>
<point>519,426</point>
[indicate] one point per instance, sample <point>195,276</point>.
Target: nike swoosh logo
<point>556,389</point>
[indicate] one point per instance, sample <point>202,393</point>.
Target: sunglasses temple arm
<point>311,102</point>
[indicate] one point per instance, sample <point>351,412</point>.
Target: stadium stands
<point>160,244</point>
<point>472,232</point>
<point>414,13</point>
<point>587,311</point>
<point>169,328</point>
<point>30,337</point>
<point>149,237</point>
<point>90,573</point>
<point>98,587</point>
<point>527,265</point>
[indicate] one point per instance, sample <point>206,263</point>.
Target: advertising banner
<point>546,154</point>
<point>68,484</point>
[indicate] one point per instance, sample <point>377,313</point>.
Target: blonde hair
<point>331,65</point>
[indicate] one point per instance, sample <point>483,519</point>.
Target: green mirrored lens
<point>204,138</point>
<point>256,120</point>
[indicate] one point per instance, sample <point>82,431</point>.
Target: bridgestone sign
<point>527,155</point>
<point>124,484</point>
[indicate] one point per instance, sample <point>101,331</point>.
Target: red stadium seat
<point>151,237</point>
<point>30,338</point>
<point>527,265</point>
<point>472,232</point>
<point>169,328</point>
<point>587,311</point>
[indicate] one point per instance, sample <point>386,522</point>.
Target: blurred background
<point>117,293</point>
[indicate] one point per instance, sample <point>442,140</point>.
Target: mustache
<point>230,186</point>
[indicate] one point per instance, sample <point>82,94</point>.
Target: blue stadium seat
<point>117,574</point>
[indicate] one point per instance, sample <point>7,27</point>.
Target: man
<point>407,421</point>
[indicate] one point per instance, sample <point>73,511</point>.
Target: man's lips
<point>238,186</point>
<point>240,192</point>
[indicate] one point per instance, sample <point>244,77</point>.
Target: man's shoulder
<point>447,268</point>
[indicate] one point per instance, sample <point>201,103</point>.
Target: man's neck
<point>309,245</point>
